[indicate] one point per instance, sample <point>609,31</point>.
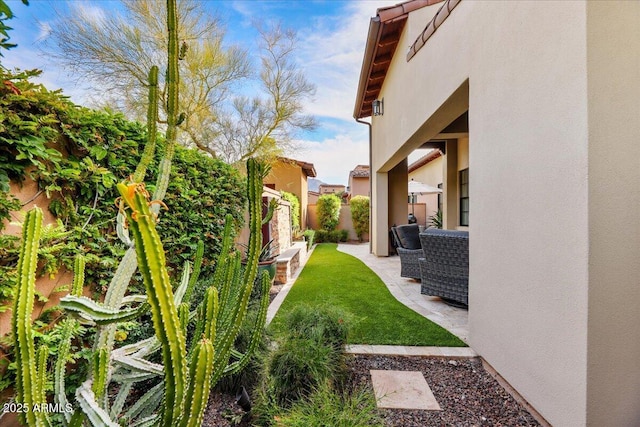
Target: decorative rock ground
<point>467,394</point>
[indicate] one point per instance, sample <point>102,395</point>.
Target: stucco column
<point>380,214</point>
<point>450,184</point>
<point>398,195</point>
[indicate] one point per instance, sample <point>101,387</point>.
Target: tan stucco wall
<point>331,189</point>
<point>312,200</point>
<point>463,153</point>
<point>553,90</point>
<point>291,178</point>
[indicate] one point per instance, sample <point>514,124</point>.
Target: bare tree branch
<point>115,53</point>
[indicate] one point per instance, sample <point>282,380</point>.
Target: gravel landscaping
<point>467,394</point>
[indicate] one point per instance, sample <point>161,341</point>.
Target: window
<point>440,198</point>
<point>464,197</point>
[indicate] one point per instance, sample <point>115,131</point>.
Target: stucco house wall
<point>359,186</point>
<point>359,181</point>
<point>552,90</point>
<point>331,188</point>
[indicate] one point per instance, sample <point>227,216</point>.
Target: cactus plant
<point>28,391</point>
<point>219,317</point>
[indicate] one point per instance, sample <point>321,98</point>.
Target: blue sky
<point>331,37</point>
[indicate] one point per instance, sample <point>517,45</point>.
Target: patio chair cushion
<point>408,236</point>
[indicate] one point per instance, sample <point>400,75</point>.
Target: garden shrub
<point>360,215</point>
<point>295,210</point>
<point>321,236</point>
<point>327,324</point>
<point>310,353</point>
<point>328,210</point>
<point>335,236</point>
<point>339,236</point>
<point>328,407</point>
<point>309,236</point>
<point>297,367</point>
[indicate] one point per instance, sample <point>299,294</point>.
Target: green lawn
<point>335,278</point>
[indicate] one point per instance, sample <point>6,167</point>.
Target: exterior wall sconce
<point>378,107</point>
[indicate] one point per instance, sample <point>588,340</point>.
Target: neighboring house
<point>535,107</point>
<point>291,176</point>
<point>428,169</point>
<point>331,189</point>
<point>359,181</point>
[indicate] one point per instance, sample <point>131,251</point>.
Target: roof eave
<point>384,16</point>
<point>367,63</point>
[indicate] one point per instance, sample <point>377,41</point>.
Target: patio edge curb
<point>400,350</point>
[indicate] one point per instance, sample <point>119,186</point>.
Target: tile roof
<point>308,168</point>
<point>432,26</point>
<point>361,171</point>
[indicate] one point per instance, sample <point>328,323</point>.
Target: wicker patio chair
<point>444,267</point>
<point>407,239</point>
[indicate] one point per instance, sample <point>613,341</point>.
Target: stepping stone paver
<point>403,390</point>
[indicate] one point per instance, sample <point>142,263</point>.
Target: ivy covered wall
<point>75,156</point>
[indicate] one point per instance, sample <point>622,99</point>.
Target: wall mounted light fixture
<point>378,107</point>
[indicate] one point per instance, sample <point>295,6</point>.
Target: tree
<point>5,15</point>
<point>328,206</point>
<point>116,52</point>
<point>360,215</point>
<point>266,126</point>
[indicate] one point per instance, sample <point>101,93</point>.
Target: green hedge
<point>335,236</point>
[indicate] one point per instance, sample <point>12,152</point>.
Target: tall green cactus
<point>219,320</point>
<point>152,265</point>
<point>29,392</point>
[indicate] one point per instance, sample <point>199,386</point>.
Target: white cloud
<point>334,158</point>
<point>44,30</point>
<point>91,12</point>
